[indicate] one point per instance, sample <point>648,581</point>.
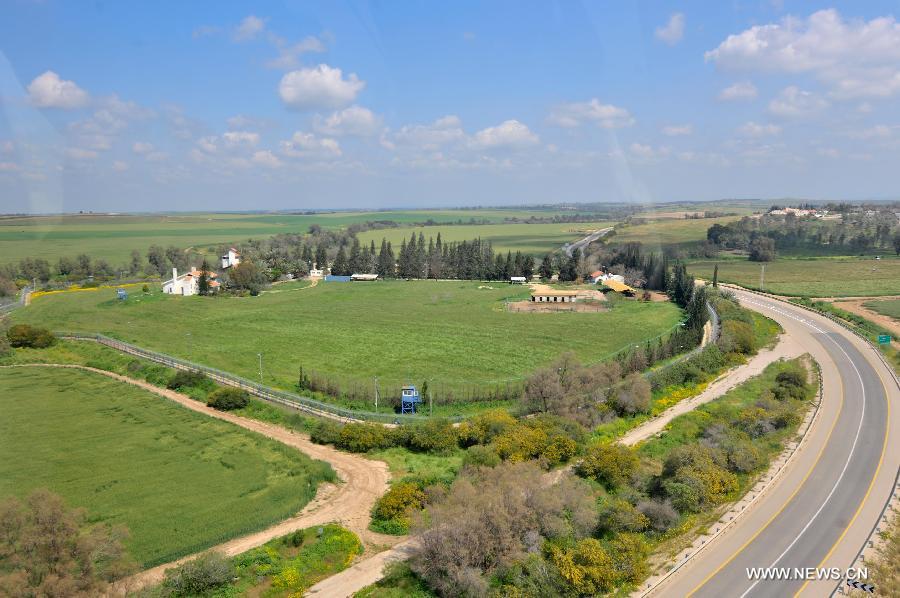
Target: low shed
<point>555,296</point>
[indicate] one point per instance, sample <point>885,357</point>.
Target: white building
<point>188,284</point>
<point>231,258</point>
<point>315,272</point>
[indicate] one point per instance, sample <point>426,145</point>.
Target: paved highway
<point>821,511</point>
<point>582,243</point>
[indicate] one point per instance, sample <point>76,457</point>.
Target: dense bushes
<point>391,513</point>
<point>611,464</point>
<point>207,572</point>
<point>187,378</point>
<point>24,335</point>
<point>551,439</point>
<point>227,399</point>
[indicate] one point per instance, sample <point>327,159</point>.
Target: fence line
<point>266,393</point>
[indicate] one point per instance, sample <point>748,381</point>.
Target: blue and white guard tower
<point>409,398</point>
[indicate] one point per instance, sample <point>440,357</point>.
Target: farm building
<point>316,272</point>
<point>188,284</point>
<point>620,287</point>
<point>517,280</point>
<point>364,277</point>
<point>552,296</point>
<point>231,258</point>
<point>595,276</point>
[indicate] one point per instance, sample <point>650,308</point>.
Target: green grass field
<point>113,237</point>
<point>180,481</point>
<point>668,232</point>
<point>888,307</point>
<point>454,333</point>
<point>839,277</point>
<point>536,239</point>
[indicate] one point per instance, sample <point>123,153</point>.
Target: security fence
<point>266,393</point>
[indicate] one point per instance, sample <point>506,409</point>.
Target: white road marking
<point>852,448</point>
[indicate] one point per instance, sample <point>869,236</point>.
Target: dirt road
<point>786,348</point>
<point>857,306</point>
<point>348,504</point>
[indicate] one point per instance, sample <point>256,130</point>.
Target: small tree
<point>203,282</point>
<point>715,280</point>
<point>546,269</point>
<point>226,399</point>
<point>49,550</point>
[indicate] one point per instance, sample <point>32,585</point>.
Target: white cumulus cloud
<point>794,102</point>
<point>354,121</point>
<point>240,139</point>
<point>266,158</point>
<point>742,90</point>
<point>444,131</point>
<point>249,28</point>
<point>509,134</point>
<point>307,145</point>
<point>752,129</point>
<point>49,91</point>
<point>576,114</point>
<point>673,31</point>
<point>319,87</point>
<point>855,58</point>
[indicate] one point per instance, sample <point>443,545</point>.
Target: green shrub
<point>326,431</point>
<point>25,335</point>
<point>484,427</point>
<point>362,438</point>
<point>619,515</point>
<point>188,379</point>
<point>228,398</point>
<point>391,513</point>
<point>431,436</point>
<point>737,337</point>
<point>481,456</point>
<point>198,576</point>
<point>611,464</point>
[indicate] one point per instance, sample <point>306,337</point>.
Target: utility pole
<point>260,367</point>
<point>762,277</point>
<point>376,394</point>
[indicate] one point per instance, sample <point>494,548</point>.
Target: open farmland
<point>535,239</point>
<point>887,307</point>
<point>454,333</point>
<point>668,232</point>
<point>179,481</point>
<point>112,237</point>
<point>844,277</point>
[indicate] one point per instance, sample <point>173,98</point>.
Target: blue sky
<point>306,105</point>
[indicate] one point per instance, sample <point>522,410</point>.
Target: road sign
<point>865,587</point>
<point>884,339</point>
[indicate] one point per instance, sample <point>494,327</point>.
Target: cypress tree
<point>546,269</point>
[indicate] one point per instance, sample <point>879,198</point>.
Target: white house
<point>315,272</point>
<point>614,277</point>
<point>231,258</point>
<point>188,284</point>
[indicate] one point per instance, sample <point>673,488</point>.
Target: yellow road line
<point>786,503</point>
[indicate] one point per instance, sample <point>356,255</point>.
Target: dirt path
<point>786,348</point>
<point>857,306</point>
<point>348,504</point>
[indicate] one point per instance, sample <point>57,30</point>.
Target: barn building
<point>552,296</point>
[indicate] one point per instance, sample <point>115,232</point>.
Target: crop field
<point>456,334</point>
<point>826,277</point>
<point>887,307</point>
<point>112,237</point>
<point>669,232</point>
<point>535,239</point>
<point>179,481</point>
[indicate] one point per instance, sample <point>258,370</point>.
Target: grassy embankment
<point>887,307</point>
<point>454,334</point>
<point>179,481</point>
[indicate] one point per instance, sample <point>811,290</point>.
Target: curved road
<point>582,243</point>
<point>821,512</point>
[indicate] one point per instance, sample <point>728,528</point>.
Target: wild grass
<point>825,277</point>
<point>887,307</point>
<point>178,480</point>
<point>454,334</point>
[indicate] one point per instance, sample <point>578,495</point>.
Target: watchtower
<point>121,294</point>
<point>409,398</point>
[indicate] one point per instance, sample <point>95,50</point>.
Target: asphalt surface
<point>820,513</point>
<point>582,243</point>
